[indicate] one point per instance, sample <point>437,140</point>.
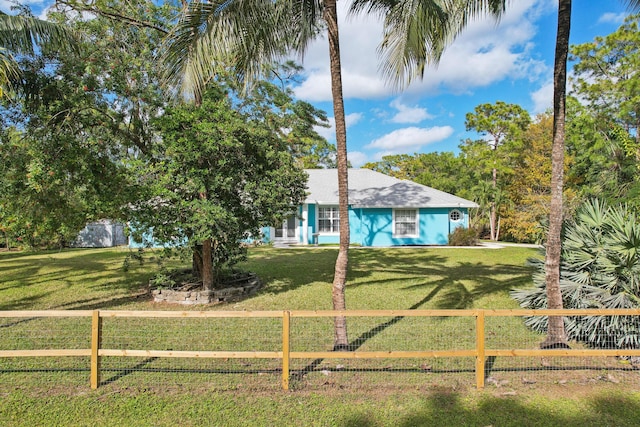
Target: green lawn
<point>294,278</point>
<point>326,392</point>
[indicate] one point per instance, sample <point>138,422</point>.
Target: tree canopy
<point>216,174</point>
<point>75,138</point>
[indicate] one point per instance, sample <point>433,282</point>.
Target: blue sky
<point>511,62</point>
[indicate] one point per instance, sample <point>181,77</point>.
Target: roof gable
<point>371,189</point>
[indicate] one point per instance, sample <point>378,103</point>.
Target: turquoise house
<point>383,211</point>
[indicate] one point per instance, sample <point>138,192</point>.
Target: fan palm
<point>245,34</point>
<point>22,35</point>
<point>600,268</point>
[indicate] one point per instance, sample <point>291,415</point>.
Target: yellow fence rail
<point>480,352</point>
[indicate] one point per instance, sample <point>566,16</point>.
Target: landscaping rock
<point>188,294</point>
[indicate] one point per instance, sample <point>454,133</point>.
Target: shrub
<point>463,237</point>
<point>600,268</point>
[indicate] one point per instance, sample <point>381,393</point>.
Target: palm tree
<point>23,35</point>
<point>556,336</point>
<point>244,34</point>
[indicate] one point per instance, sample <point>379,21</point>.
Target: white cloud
<point>408,114</point>
<point>543,98</point>
<point>317,86</point>
<point>5,5</point>
<point>411,138</point>
<point>483,54</point>
<point>353,118</point>
<point>38,7</point>
<point>44,12</point>
<point>612,18</point>
<point>327,132</point>
<point>357,158</point>
<point>330,132</point>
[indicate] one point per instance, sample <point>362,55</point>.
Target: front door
<point>286,230</point>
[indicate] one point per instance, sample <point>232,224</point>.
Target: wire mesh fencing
<point>47,349</point>
<point>514,356</point>
<point>295,349</point>
<point>389,351</point>
<point>218,353</point>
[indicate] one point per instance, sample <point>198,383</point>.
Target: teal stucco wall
<point>374,227</point>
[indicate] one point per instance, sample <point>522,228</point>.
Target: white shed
<point>101,234</point>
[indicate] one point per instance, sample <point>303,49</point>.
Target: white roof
<point>371,189</point>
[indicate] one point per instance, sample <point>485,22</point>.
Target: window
<point>329,220</point>
<point>405,222</point>
<point>455,216</point>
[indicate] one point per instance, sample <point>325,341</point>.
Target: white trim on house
<point>305,221</point>
<point>380,196</point>
<point>459,213</point>
<point>334,209</point>
<point>416,222</point>
<point>284,227</point>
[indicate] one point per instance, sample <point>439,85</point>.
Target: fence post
<point>286,348</point>
<point>480,358</point>
<point>96,340</point>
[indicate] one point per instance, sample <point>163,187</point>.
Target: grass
<point>294,278</point>
<point>409,409</point>
<point>333,393</point>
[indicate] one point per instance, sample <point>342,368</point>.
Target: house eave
<point>427,206</point>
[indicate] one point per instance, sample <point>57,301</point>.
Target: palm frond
<point>633,5</point>
<point>600,268</point>
<point>243,34</point>
<point>9,72</point>
<point>20,35</point>
<point>416,32</point>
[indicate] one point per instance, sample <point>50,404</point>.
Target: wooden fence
<point>480,353</point>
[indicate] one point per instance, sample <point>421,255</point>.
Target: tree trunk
<point>202,262</point>
<point>492,221</point>
<point>556,336</point>
<point>340,277</point>
<point>207,266</point>
<point>196,261</point>
<point>494,174</point>
<point>207,259</point>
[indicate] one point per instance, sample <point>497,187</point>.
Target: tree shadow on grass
<point>286,270</point>
<point>75,272</point>
<point>460,284</point>
<point>449,283</point>
<point>444,407</point>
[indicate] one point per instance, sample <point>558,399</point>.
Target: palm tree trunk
<point>556,335</point>
<point>340,276</point>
